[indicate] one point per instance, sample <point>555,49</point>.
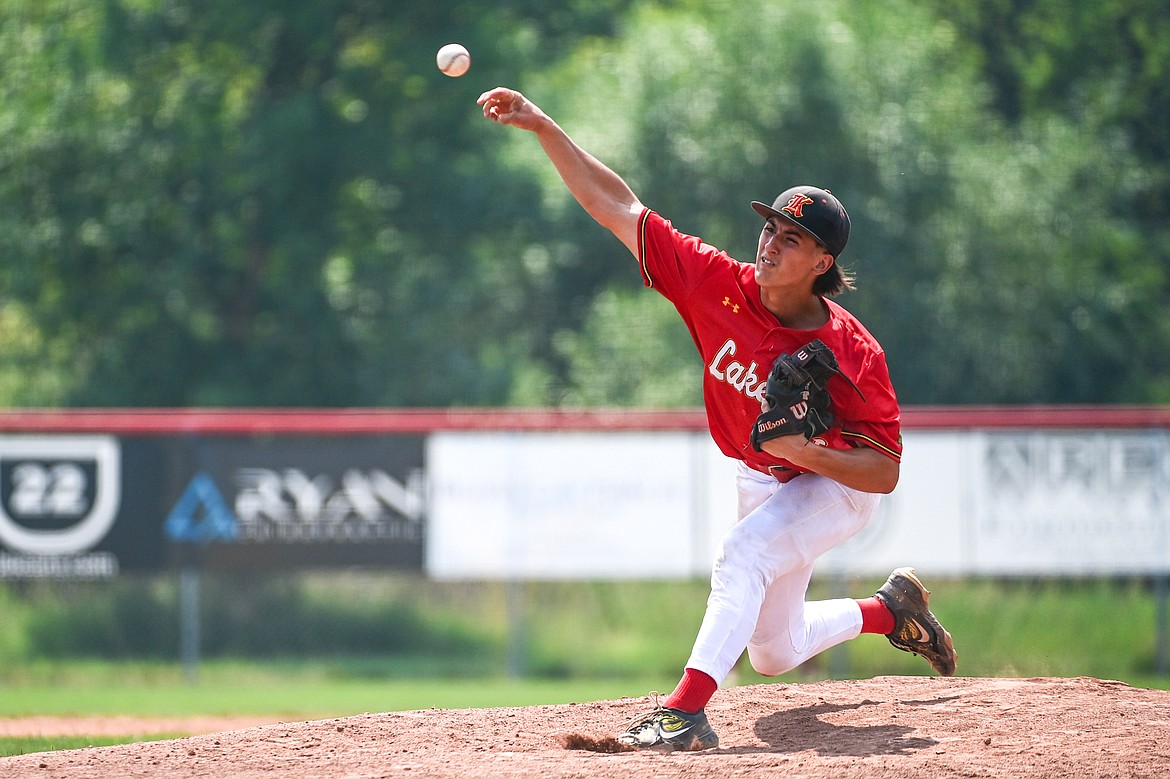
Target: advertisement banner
<point>65,512</point>
<point>301,501</point>
<point>576,505</point>
<point>94,506</point>
<point>559,504</point>
<point>1076,502</point>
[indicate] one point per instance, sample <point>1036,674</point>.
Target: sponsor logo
<point>58,495</point>
<point>770,425</point>
<point>201,515</point>
<point>914,632</point>
<point>290,506</point>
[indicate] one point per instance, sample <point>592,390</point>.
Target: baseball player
<point>795,389</point>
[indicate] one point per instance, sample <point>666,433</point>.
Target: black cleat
<point>671,729</point>
<point>915,629</point>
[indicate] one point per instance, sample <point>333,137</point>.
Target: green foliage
<point>128,619</point>
<point>1086,88</point>
<point>284,203</point>
<point>239,617</point>
<point>1092,646</point>
<point>612,629</point>
<point>627,337</point>
<point>278,202</point>
<point>251,617</point>
<point>993,265</point>
<point>13,644</point>
<point>351,628</point>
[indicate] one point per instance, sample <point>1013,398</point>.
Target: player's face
<point>788,256</point>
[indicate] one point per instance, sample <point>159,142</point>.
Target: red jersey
<point>719,300</point>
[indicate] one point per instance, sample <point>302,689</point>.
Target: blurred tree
<point>284,203</point>
<point>992,264</point>
<point>269,203</point>
<point>1102,72</point>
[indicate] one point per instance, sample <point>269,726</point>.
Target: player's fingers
<point>498,104</point>
<point>491,93</point>
<point>498,96</point>
<point>496,114</point>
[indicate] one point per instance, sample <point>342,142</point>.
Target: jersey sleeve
<point>671,262</point>
<point>876,421</point>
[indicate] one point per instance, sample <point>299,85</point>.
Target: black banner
<point>91,506</point>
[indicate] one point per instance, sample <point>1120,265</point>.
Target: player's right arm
<point>603,194</point>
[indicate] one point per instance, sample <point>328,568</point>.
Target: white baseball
<point>453,59</point>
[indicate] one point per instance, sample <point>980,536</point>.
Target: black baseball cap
<point>817,211</point>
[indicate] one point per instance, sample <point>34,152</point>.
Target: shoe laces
<point>642,720</point>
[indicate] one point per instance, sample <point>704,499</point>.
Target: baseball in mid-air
<point>453,59</point>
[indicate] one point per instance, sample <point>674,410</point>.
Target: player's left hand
<point>797,397</point>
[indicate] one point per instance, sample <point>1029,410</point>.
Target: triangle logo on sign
<point>201,515</point>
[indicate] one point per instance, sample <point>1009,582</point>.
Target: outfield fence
<point>516,495</point>
<point>553,494</point>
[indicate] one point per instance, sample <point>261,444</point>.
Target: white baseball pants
<point>761,575</point>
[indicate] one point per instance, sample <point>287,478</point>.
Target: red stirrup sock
<point>875,617</point>
<point>693,692</point>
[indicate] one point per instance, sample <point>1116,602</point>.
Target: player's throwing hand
<point>507,106</point>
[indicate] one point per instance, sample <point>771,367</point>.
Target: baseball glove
<point>797,395</point>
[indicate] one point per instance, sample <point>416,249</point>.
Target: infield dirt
<point>904,727</point>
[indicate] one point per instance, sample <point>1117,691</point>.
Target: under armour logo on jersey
<point>796,205</point>
<point>734,306</point>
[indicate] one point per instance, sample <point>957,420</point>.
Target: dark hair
<point>834,281</point>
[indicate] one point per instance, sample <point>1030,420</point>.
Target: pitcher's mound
<point>889,726</point>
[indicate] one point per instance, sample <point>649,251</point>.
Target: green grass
<point>26,746</point>
<point>282,691</point>
<point>288,691</point>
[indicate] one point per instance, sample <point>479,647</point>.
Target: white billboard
<point>589,505</point>
<point>539,505</point>
<point>1069,502</point>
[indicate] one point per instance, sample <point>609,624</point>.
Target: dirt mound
<point>889,726</point>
